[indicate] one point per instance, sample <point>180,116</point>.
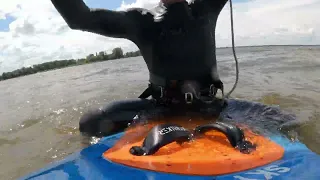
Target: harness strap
<point>164,90</point>
<point>151,91</point>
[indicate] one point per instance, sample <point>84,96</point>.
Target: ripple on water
<point>7,141</point>
<point>23,125</point>
<point>309,132</point>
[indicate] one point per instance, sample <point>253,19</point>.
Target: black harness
<point>166,91</point>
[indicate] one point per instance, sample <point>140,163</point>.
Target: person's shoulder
<point>196,2</point>
<point>203,7</point>
<point>140,13</point>
<point>198,5</point>
<point>207,3</point>
<point>143,19</point>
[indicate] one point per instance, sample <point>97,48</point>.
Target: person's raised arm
<point>209,5</point>
<point>218,4</point>
<point>117,24</point>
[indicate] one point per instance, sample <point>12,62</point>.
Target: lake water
<point>39,113</point>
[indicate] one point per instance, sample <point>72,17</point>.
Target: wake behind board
<point>213,151</point>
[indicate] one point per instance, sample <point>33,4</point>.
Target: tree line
<point>117,53</point>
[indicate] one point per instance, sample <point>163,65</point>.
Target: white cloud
<point>262,22</point>
<point>40,34</point>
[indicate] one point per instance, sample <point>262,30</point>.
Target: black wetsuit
<point>177,45</point>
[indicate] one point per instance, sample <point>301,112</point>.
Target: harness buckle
<point>161,92</point>
<point>212,90</point>
<point>188,97</point>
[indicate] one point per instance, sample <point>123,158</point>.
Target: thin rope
<point>234,52</point>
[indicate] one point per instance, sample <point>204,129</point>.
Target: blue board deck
<point>298,162</point>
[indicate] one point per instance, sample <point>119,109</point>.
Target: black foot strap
<point>160,136</point>
<point>234,134</point>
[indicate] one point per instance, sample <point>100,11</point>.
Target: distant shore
<point>117,53</point>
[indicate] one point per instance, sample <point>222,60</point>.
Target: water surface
<point>39,113</point>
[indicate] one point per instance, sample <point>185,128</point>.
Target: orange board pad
<point>209,154</point>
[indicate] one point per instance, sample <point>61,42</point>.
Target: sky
<point>32,31</point>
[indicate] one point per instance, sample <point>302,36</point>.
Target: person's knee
<point>112,118</point>
<point>128,105</point>
<point>89,122</point>
<point>97,123</point>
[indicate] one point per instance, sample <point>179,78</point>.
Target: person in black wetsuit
<point>178,47</point>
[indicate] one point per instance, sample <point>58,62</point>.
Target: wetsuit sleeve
<point>208,6</point>
<point>216,4</point>
<point>117,24</point>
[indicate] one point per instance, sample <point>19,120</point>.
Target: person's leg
<point>113,118</point>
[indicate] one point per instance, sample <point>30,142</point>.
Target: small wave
<point>66,130</point>
<point>59,111</point>
<point>103,71</point>
<point>297,67</point>
<point>307,131</point>
<point>277,99</point>
<point>23,125</point>
<point>123,70</point>
<point>262,118</point>
<point>4,141</point>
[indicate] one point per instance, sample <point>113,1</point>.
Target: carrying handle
<point>234,134</point>
<point>159,136</point>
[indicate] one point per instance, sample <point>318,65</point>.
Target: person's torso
<point>185,51</point>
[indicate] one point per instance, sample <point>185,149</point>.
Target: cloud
<point>139,3</point>
<point>39,34</point>
<point>261,22</point>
